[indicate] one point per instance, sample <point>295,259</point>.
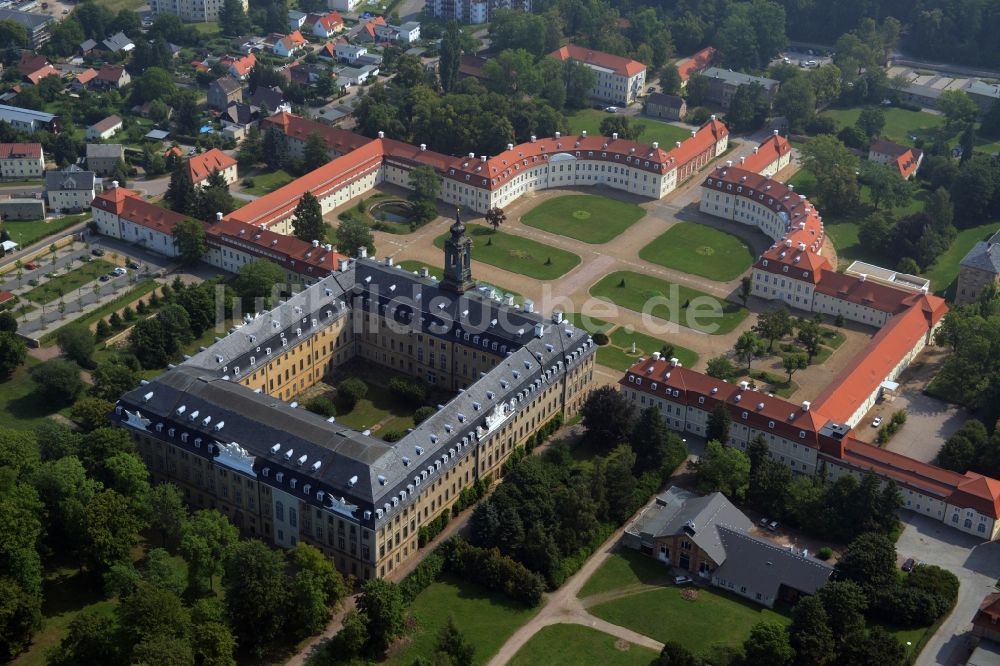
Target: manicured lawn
<point>378,408</point>
<point>268,181</point>
<point>67,282</point>
<point>590,324</point>
<point>26,232</point>
<point>620,349</point>
<point>714,618</point>
<point>486,619</point>
<point>700,250</point>
<point>901,124</point>
<point>413,265</point>
<point>626,567</point>
<point>90,319</point>
<point>636,292</point>
<point>517,255</point>
<point>585,217</point>
<point>944,272</point>
<point>653,130</point>
<point>573,644</point>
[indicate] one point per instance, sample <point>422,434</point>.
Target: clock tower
<point>458,259</point>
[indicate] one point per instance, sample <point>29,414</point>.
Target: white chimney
<point>381,134</point>
<point>482,157</point>
<point>218,217</point>
<point>557,316</point>
<point>510,146</point>
<point>328,247</point>
<point>423,146</point>
<point>656,145</point>
<point>775,132</point>
<point>755,149</point>
<point>583,134</point>
<point>806,405</point>
<point>744,386</point>
<point>677,143</point>
<point>729,163</point>
<point>424,272</point>
<point>388,261</point>
<point>529,306</point>
<point>656,356</point>
<point>114,184</point>
<point>862,277</point>
<point>791,187</point>
<point>674,362</point>
<point>712,116</point>
<point>362,252</point>
<point>533,137</point>
<point>342,265</point>
<point>315,243</point>
<point>694,133</point>
<point>539,330</point>
<point>558,134</point>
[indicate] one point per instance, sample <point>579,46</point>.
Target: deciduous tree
<point>308,224</point>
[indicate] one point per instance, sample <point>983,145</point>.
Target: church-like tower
<point>458,259</point>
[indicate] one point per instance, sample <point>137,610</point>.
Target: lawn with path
<point>516,254</point>
<point>487,619</point>
<point>67,282</point>
<point>574,644</point>
<point>589,218</point>
<point>698,249</point>
<point>667,300</point>
<point>618,352</point>
<point>713,618</point>
<point>625,568</point>
<point>378,408</point>
<point>653,130</point>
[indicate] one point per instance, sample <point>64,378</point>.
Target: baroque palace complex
<point>223,425</point>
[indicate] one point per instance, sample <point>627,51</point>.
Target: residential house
<point>81,81</point>
<point>34,67</point>
<point>474,11</point>
<point>986,622</point>
<point>120,214</point>
<point>285,46</point>
<point>103,158</point>
<point>356,76</point>
<point>223,92</point>
<point>406,33</point>
<point>70,189</point>
<point>239,68</point>
<point>349,53</point>
<point>667,107</point>
<point>240,114</point>
<point>20,161</point>
<point>328,52</point>
<point>201,166</point>
<point>143,110</point>
<point>618,80</point>
<point>723,84</point>
<point>296,19</point>
<point>111,77</point>
<point>104,129</point>
<point>368,31</point>
<point>985,95</point>
<point>471,65</point>
<point>29,120</point>
<point>707,537</point>
<point>118,43</point>
<point>34,77</point>
<point>268,100</point>
<point>979,269</point>
<point>905,159</point>
<point>87,47</point>
<point>324,26</point>
<point>696,64</point>
<point>195,11</point>
<point>19,208</point>
<point>36,25</point>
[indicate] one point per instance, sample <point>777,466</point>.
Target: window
<point>292,519</point>
<point>279,511</point>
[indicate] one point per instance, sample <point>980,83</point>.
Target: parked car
<point>877,422</point>
<point>611,109</point>
<point>763,522</point>
<point>97,252</point>
<point>909,564</point>
<point>105,277</point>
<point>134,265</point>
<point>120,271</point>
<point>31,265</point>
<point>651,89</point>
<point>773,525</point>
<point>682,580</point>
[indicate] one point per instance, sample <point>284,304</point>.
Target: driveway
<point>929,422</point>
<point>977,565</point>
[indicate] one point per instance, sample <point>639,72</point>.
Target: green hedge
<point>427,533</point>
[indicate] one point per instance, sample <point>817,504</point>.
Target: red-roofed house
<point>369,29</point>
<point>121,214</point>
<point>906,160</point>
<point>111,77</point>
<point>286,46</point>
<point>619,80</point>
<point>239,68</point>
<point>81,81</point>
<point>770,157</point>
<point>21,160</point>
<point>34,77</point>
<point>986,622</point>
<point>696,64</point>
<point>324,25</point>
<point>201,166</point>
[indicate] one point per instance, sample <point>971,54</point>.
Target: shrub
<point>349,392</point>
<point>392,435</point>
<point>600,338</point>
<point>898,417</point>
<point>103,330</point>
<point>320,405</point>
<point>423,414</point>
<point>427,533</point>
<point>422,576</point>
<point>472,494</point>
<point>128,313</point>
<point>115,321</point>
<point>410,391</point>
<point>487,567</point>
<point>141,307</point>
<point>824,553</point>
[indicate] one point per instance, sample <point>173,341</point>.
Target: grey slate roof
<point>70,178</point>
<point>88,45</point>
<point>699,516</point>
<point>118,42</point>
<point>763,566</point>
<point>105,150</point>
<point>664,100</point>
<point>27,19</point>
<point>228,84</point>
<point>369,474</point>
<point>738,78</point>
<point>985,255</point>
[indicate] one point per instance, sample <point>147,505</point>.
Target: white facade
<point>616,88</point>
<point>96,134</point>
<point>197,11</point>
<point>19,167</point>
<point>70,199</point>
<point>109,224</point>
<point>342,5</point>
<point>349,52</point>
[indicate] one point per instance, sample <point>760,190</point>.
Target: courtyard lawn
<point>586,217</point>
<point>573,644</point>
<point>677,303</point>
<point>517,255</point>
<point>714,618</point>
<point>586,322</point>
<point>413,265</point>
<point>379,411</point>
<point>487,619</point>
<point>625,568</point>
<point>26,232</point>
<point>67,282</point>
<point>653,130</point>
<point>700,250</point>
<point>266,182</point>
<point>618,353</point>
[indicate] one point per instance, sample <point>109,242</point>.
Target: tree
<point>112,529</point>
<point>256,594</point>
<point>154,83</point>
<point>768,645</point>
<point>990,125</point>
<point>148,342</point>
<point>871,120</point>
<point>214,198</point>
<point>350,391</point>
<point>670,79</point>
<point>810,634</point>
<point>719,422</point>
<point>746,289</point>
<point>91,412</point>
<point>57,382</point>
<point>425,182</point>
<point>13,351</point>
<point>112,379</point>
<point>233,20</point>
<point>161,571</point>
<point>876,647</point>
<point>723,469</point>
<point>655,446</point>
<point>90,639</point>
<point>258,280</point>
<point>809,336</point>
<point>352,235</point>
<point>770,480</point>
<point>748,347</point>
<point>451,56</point>
<point>579,80</point>
<point>622,126</point>
<point>275,149</point>
<point>166,512</point>
<point>835,168</point>
<point>885,184</point>
<point>314,153</point>
<point>607,416</point>
<point>748,108</point>
<point>845,604</point>
<point>720,367</point>
<point>252,149</point>
<point>150,613</point>
<point>308,224</point>
<point>774,325</point>
<point>958,108</point>
<point>495,217</point>
<point>213,644</point>
<point>796,101</point>
<point>8,322</point>
<point>794,361</point>
<point>76,343</point>
<point>382,604</point>
<point>180,192</point>
<point>205,541</point>
<point>870,561</point>
<point>452,643</point>
<point>675,654</point>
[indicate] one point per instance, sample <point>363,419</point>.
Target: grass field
<point>901,124</point>
<point>625,568</point>
<point>618,353</point>
<point>26,232</point>
<point>263,183</point>
<point>943,274</point>
<point>714,618</point>
<point>585,217</point>
<point>379,408</point>
<point>590,324</point>
<point>637,292</point>
<point>486,619</point>
<point>573,644</point>
<point>517,255</point>
<point>67,282</point>
<point>653,130</point>
<point>413,265</point>
<point>18,407</point>
<point>700,250</point>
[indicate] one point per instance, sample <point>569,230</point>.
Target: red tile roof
<point>133,208</point>
<point>293,40</point>
<point>330,21</point>
<point>696,63</point>
<point>242,65</point>
<point>978,492</point>
<point>107,123</point>
<point>988,614</point>
<point>770,150</point>
<point>866,292</point>
<point>621,66</point>
<point>6,296</point>
<point>297,127</point>
<point>31,62</point>
<point>39,74</point>
<point>20,151</point>
<point>86,76</point>
<point>201,166</point>
<point>287,251</point>
<point>110,73</point>
<point>902,469</point>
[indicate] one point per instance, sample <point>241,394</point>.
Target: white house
<point>70,189</point>
<point>21,160</point>
<point>104,129</point>
<point>349,53</point>
<point>119,215</point>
